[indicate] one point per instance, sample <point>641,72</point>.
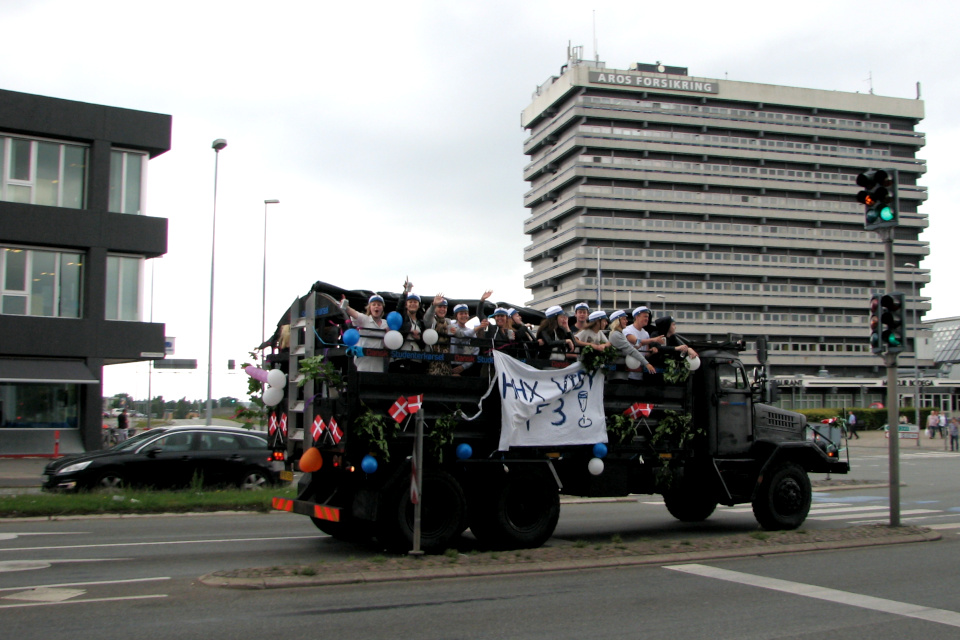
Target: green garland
<point>675,370</point>
<point>375,431</point>
<point>440,434</point>
<point>621,430</point>
<point>593,359</point>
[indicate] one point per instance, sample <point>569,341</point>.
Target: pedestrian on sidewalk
<point>942,428</point>
<point>852,425</point>
<point>932,423</point>
<point>954,429</point>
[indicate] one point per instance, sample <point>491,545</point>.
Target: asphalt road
<point>137,577</point>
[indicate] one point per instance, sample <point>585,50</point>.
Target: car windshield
<point>135,441</point>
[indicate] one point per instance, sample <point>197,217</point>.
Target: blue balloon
<point>394,320</point>
<point>351,337</point>
<point>369,464</point>
<point>464,451</point>
<point>599,450</point>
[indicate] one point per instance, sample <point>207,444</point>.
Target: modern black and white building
<point>74,236</point>
<point>728,205</point>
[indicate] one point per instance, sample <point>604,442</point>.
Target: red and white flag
<point>283,424</point>
<point>335,431</point>
<point>273,424</point>
<point>414,491</point>
<point>638,409</point>
<point>318,428</point>
<point>399,409</point>
<point>414,403</point>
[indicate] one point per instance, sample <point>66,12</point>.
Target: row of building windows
<point>49,284</point>
<point>51,173</point>
<point>731,228</point>
<point>676,166</point>
<point>740,114</point>
<point>747,287</point>
<point>699,139</point>
<point>722,199</point>
<point>678,255</point>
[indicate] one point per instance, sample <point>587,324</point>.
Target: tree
<point>121,401</point>
<point>157,407</point>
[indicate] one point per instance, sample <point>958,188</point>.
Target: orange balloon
<point>311,460</point>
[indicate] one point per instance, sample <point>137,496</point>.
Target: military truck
<point>698,438</point>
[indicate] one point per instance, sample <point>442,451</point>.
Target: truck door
<point>734,409</point>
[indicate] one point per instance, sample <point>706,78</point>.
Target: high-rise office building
<point>728,205</point>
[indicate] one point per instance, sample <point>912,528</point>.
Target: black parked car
<point>171,457</point>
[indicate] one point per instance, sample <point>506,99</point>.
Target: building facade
<point>727,205</point>
<point>73,240</point>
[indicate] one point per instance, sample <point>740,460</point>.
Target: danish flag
<point>399,409</point>
<point>335,432</point>
<point>318,428</point>
<point>414,403</point>
<point>283,424</point>
<point>637,409</point>
<point>273,423</point>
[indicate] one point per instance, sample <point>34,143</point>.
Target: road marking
<point>47,604</point>
<point>882,605</point>
<point>46,594</point>
<point>14,536</point>
<point>908,512</point>
<point>167,542</point>
<point>29,565</point>
<point>942,527</point>
<point>85,584</point>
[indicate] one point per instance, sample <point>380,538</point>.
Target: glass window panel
<point>44,406</point>
<point>42,283</point>
<point>113,286</point>
<point>18,193</point>
<point>130,289</point>
<point>14,305</point>
<point>74,171</point>
<point>15,270</point>
<point>116,181</point>
<point>131,198</point>
<point>70,266</point>
<point>47,185</point>
<point>19,159</point>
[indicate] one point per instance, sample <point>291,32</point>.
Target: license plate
<point>286,476</point>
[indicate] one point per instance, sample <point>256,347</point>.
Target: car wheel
<point>110,481</point>
<point>254,480</point>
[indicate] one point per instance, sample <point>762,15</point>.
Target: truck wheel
<point>688,506</point>
<point>517,511</point>
<point>442,517</point>
<point>783,499</point>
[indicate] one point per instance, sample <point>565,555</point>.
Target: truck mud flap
<point>304,508</point>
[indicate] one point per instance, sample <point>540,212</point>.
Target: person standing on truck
<point>554,339</point>
<point>436,318</point>
<point>618,322</point>
<point>408,306</point>
<point>637,335</point>
<point>621,344</point>
<point>667,327</point>
<point>592,336</point>
<point>463,336</point>
<point>582,313</point>
<point>371,326</point>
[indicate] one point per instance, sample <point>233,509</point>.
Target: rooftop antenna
<point>870,80</point>
<point>596,54</point>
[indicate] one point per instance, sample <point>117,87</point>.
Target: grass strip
<point>138,502</point>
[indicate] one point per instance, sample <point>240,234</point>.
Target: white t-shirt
<point>640,335</point>
<point>372,340</point>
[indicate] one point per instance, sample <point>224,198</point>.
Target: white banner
<point>548,408</point>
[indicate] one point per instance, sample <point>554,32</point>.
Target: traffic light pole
<point>890,360</point>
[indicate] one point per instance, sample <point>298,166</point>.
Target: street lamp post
<point>663,304</point>
<point>218,145</point>
<point>916,368</point>
<point>263,320</point>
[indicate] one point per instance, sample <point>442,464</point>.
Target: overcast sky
<point>390,132</point>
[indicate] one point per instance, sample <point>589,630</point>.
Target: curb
<point>439,573</point>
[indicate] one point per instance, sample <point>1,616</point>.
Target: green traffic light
<point>886,214</point>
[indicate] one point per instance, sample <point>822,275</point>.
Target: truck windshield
<point>732,376</point>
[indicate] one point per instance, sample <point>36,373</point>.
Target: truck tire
<point>442,518</point>
<point>517,511</point>
<point>783,498</point>
<point>689,506</point>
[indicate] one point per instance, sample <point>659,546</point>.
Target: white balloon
<point>430,336</point>
<point>272,395</point>
<point>595,466</point>
<point>393,340</point>
<point>633,363</point>
<point>277,378</point>
<point>694,363</point>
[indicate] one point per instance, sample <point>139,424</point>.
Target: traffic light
<point>887,329</point>
<point>880,197</point>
